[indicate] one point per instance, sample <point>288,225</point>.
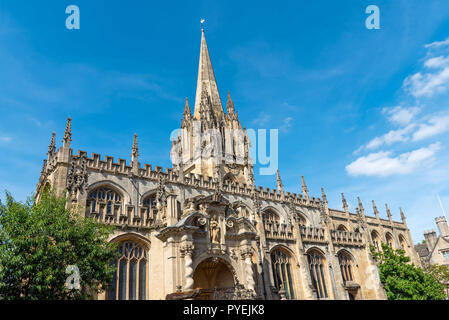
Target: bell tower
<point>212,142</point>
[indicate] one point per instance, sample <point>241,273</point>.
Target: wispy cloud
<point>401,115</point>
<point>5,139</point>
<point>384,164</point>
<point>437,124</point>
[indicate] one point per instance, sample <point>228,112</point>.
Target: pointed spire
<point>305,191</point>
<point>187,112</point>
<point>362,210</point>
<point>345,204</point>
<point>402,215</point>
<point>280,186</point>
<point>135,150</point>
<point>68,133</point>
<point>230,104</point>
<point>52,146</point>
<point>323,195</point>
<point>388,212</point>
<point>376,212</point>
<point>206,81</point>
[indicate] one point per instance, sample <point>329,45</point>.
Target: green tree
<point>403,280</point>
<point>39,240</point>
<point>441,273</point>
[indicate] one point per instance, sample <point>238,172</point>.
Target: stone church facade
<point>203,230</point>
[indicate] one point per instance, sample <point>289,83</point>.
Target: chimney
<point>431,239</point>
<point>442,226</point>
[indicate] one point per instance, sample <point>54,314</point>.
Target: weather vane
<point>202,24</point>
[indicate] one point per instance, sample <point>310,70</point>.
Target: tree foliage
<point>403,280</point>
<point>39,240</point>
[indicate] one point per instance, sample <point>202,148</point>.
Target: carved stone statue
<point>214,231</point>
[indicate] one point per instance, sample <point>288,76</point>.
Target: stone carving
<point>77,175</point>
<point>187,253</point>
<point>215,231</point>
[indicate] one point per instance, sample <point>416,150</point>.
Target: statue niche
<point>215,231</point>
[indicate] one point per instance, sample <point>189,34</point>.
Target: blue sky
<point>364,112</point>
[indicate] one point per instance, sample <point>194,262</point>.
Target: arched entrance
<point>214,277</point>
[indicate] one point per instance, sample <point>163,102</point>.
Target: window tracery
<point>316,267</point>
<point>281,264</point>
<point>130,278</point>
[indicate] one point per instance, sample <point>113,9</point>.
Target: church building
<point>203,230</point>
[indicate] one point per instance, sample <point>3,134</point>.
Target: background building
<point>435,249</point>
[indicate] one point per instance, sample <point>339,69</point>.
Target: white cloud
<point>438,44</point>
<point>400,135</point>
<point>435,125</point>
<point>437,62</point>
<point>6,139</point>
<point>287,123</point>
<point>428,84</point>
<point>262,119</point>
<point>383,164</point>
<point>400,115</point>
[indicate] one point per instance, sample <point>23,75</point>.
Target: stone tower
<point>211,142</point>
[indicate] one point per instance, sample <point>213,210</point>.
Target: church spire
<point>68,133</point>
<point>206,82</point>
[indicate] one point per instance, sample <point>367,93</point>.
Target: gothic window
<point>342,228</point>
<point>403,244</point>
<point>302,220</point>
<point>376,240</point>
<point>281,263</point>
<point>271,222</point>
<point>130,278</point>
<point>104,201</point>
<point>389,239</point>
<point>316,267</point>
<point>346,266</point>
<point>149,203</point>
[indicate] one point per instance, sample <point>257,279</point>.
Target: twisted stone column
<point>187,252</point>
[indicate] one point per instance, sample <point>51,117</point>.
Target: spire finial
<point>135,149</point>
<point>187,112</point>
<point>388,212</point>
<point>343,200</point>
<point>305,191</point>
<point>279,181</point>
<point>323,195</point>
<point>68,133</point>
<point>402,214</point>
<point>230,104</point>
<point>52,146</point>
<point>202,24</point>
<point>376,212</point>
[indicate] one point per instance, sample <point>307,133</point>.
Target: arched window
<point>131,277</point>
<point>271,222</point>
<point>403,243</point>
<point>346,266</point>
<point>389,239</point>
<point>104,202</point>
<point>316,267</point>
<point>376,240</point>
<point>302,220</point>
<point>149,205</point>
<point>342,228</point>
<point>281,263</point>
